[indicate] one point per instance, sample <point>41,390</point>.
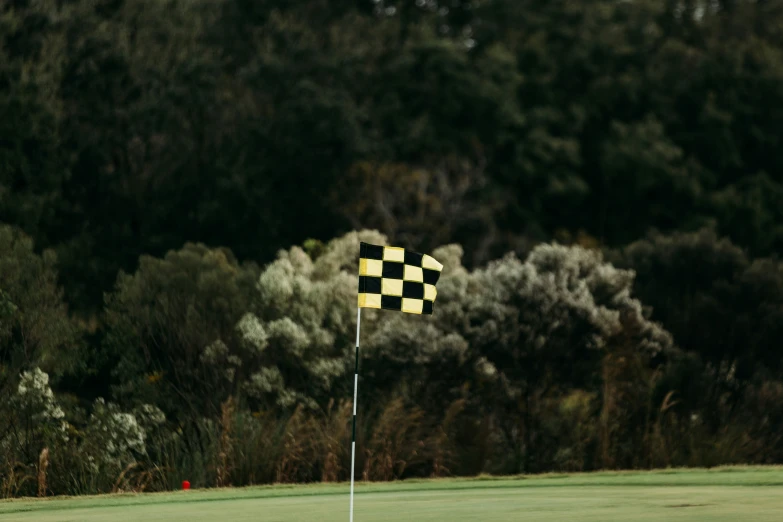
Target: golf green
<point>724,494</point>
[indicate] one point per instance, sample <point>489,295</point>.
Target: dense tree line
<point>227,373</point>
<point>131,128</point>
<point>605,175</point>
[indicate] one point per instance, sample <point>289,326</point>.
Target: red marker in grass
<point>185,485</point>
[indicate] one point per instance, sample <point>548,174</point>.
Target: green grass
<point>723,494</point>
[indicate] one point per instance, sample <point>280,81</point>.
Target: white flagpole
<point>355,391</point>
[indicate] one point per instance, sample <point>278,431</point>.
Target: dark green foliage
<point>713,299</point>
<point>35,329</point>
<point>724,309</point>
<point>133,127</point>
<point>160,321</point>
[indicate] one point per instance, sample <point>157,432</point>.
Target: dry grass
<point>43,464</point>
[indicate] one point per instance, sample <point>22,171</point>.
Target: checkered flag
<point>394,278</point>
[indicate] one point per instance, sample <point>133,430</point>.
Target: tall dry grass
<point>313,445</point>
<point>579,430</point>
<point>225,445</point>
<point>43,464</point>
<point>14,479</point>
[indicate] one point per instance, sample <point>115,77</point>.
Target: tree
<point>35,332</point>
<point>300,341</point>
<point>421,207</point>
<point>647,182</point>
<point>717,303</point>
<point>751,211</point>
<point>164,321</point>
<point>547,324</point>
<point>33,162</point>
<point>35,329</point>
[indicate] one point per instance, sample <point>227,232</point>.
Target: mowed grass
<point>722,494</point>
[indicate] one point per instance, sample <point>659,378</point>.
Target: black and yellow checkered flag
<point>394,278</point>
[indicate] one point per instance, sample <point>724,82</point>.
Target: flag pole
<point>355,391</point>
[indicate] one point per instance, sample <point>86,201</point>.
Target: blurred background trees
<point>602,180</point>
<point>131,128</point>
